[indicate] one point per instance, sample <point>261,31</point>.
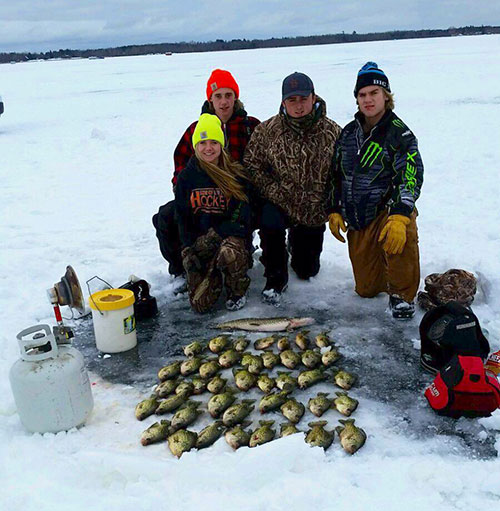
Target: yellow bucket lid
<point>111,299</point>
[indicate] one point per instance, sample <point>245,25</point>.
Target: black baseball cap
<point>296,84</point>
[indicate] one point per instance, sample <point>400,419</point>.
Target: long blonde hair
<point>225,174</point>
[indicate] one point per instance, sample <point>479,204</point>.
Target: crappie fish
<point>185,416</point>
<point>216,384</point>
<point>301,340</point>
<point>185,388</point>
<point>170,404</point>
<point>320,404</point>
<point>263,434</point>
<point>218,344</point>
<point>351,437</point>
<point>293,410</point>
<point>146,407</point>
<point>270,359</point>
<point>193,349</point>
<point>243,379</point>
<point>181,441</point>
<point>287,428</point>
<point>344,379</point>
<point>155,433</point>
<point>237,413</point>
<point>166,388</point>
<point>229,358</point>
<point>311,358</point>
<point>209,435</point>
<point>322,340</point>
<point>265,342</point>
<point>345,404</point>
<point>237,437</point>
<point>265,324</point>
<point>290,359</point>
<point>273,401</point>
<point>219,403</point>
<point>317,436</point>
<point>308,378</point>
<point>169,371</point>
<point>265,383</point>
<point>240,344</point>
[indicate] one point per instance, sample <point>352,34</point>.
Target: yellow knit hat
<point>208,128</point>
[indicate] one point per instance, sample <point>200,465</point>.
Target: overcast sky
<point>41,25</point>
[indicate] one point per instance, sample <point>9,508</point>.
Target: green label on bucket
<point>129,324</point>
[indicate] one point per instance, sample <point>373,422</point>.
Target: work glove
<point>190,260</point>
<point>393,234</point>
<point>337,224</point>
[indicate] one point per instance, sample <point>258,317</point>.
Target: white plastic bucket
<point>114,320</point>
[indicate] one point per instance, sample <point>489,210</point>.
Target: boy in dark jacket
<point>378,175</point>
<point>222,100</point>
<point>213,214</point>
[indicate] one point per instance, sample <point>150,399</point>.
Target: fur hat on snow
<point>208,128</point>
<point>219,79</point>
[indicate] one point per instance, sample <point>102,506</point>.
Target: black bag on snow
<point>448,330</point>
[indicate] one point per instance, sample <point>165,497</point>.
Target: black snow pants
<point>304,244</point>
<point>167,233</point>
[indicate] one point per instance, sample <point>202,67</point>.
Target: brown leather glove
<point>393,234</point>
<point>337,224</point>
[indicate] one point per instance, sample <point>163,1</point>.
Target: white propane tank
<point>50,383</point>
<point>114,320</point>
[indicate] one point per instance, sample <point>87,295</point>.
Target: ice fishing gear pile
<point>260,369</point>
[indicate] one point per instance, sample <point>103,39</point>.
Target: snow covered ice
<point>87,150</point>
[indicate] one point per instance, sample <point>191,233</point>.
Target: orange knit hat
<point>219,79</point>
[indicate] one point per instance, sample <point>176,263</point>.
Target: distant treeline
<point>247,44</point>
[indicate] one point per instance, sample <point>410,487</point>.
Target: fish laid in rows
<point>218,344</point>
<point>170,404</point>
<point>199,385</point>
<point>229,358</point>
<point>320,404</point>
<point>283,344</point>
<point>351,437</point>
<point>170,371</point>
<point>311,358</point>
<point>293,410</point>
<point>165,388</point>
<point>287,428</point>
<point>265,342</point>
<point>237,413</point>
<point>186,415</point>
<point>318,436</point>
<point>285,380</point>
<point>301,340</point>
<point>273,401</point>
<point>252,363</point>
<point>146,407</point>
<point>240,344</point>
<point>322,340</point>
<point>219,403</point>
<point>308,378</point>
<point>216,384</point>
<point>191,366</point>
<point>270,359</point>
<point>345,404</point>
<point>265,324</point>
<point>237,437</point>
<point>209,369</point>
<point>193,349</point>
<point>181,441</point>
<point>290,359</point>
<point>263,434</point>
<point>344,379</point>
<point>330,356</point>
<point>209,435</point>
<point>157,432</point>
<point>185,388</point>
<point>243,379</point>
<point>265,383</point>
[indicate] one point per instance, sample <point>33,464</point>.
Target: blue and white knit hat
<point>370,74</point>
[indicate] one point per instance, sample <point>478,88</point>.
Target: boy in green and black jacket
<point>378,174</point>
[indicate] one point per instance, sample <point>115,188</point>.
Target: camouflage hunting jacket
<point>375,171</point>
<point>292,167</point>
